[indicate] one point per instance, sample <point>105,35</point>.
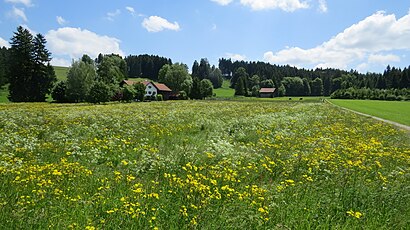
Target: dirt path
<point>401,126</point>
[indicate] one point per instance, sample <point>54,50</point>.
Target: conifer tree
<point>31,76</point>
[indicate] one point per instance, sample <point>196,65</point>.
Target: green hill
<point>61,72</point>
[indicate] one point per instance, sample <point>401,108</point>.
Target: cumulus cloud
<point>24,2</point>
<point>61,21</point>
<point>235,57</point>
<point>157,24</point>
<point>18,13</point>
<point>383,59</point>
<point>222,2</point>
<point>4,43</point>
<point>286,5</point>
<point>322,6</point>
<point>74,42</point>
<point>360,42</point>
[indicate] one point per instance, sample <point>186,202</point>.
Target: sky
<point>365,35</point>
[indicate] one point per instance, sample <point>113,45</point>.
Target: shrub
<point>128,93</point>
<point>159,97</point>
<point>139,91</point>
<point>99,93</point>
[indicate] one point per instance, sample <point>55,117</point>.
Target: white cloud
<point>60,62</point>
<point>130,9</point>
<point>61,21</point>
<point>112,15</point>
<point>322,6</point>
<point>286,5</point>
<point>74,42</point>
<point>235,57</point>
<point>4,43</point>
<point>24,2</point>
<point>18,13</point>
<point>383,59</point>
<point>157,24</point>
<point>222,2</point>
<point>360,42</point>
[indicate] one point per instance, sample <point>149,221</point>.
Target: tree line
<point>247,77</point>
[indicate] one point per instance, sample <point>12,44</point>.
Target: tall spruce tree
<point>43,74</point>
<point>4,62</point>
<point>31,76</point>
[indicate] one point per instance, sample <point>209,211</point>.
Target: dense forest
<point>313,82</point>
<point>145,66</point>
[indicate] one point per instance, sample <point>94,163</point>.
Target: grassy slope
<point>61,73</point>
<point>3,94</point>
<point>398,111</point>
<point>224,91</point>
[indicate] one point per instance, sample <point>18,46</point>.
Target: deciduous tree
<point>80,78</point>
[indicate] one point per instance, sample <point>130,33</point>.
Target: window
<point>149,87</point>
<point>149,92</point>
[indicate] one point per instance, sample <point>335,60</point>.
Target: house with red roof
<point>152,89</point>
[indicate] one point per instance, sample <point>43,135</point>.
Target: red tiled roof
<point>267,90</point>
<point>128,82</point>
<point>162,87</point>
<point>159,86</point>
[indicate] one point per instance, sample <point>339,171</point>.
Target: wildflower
<point>352,213</point>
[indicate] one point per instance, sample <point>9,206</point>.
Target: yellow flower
<point>352,213</point>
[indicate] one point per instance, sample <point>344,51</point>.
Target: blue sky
<point>366,35</point>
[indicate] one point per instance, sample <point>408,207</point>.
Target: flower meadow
<point>200,165</point>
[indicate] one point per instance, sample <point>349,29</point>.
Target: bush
<point>159,97</point>
<point>59,92</point>
<point>99,93</point>
<point>372,94</point>
<point>128,93</point>
<point>139,91</point>
<point>183,95</point>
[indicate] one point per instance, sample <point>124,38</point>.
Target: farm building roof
<point>267,90</point>
<point>159,86</point>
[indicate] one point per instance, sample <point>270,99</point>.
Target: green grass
<point>224,91</point>
<point>200,165</point>
<point>4,92</point>
<point>139,79</point>
<point>397,111</point>
<point>61,72</point>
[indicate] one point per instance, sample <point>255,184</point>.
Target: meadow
<point>398,111</point>
<point>224,91</point>
<point>200,165</point>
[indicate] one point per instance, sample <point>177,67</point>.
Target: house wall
<point>150,90</point>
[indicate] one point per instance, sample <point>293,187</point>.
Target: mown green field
<point>61,72</point>
<point>200,165</point>
<point>398,111</point>
<point>3,94</point>
<point>224,91</point>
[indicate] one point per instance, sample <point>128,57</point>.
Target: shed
<point>267,92</point>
